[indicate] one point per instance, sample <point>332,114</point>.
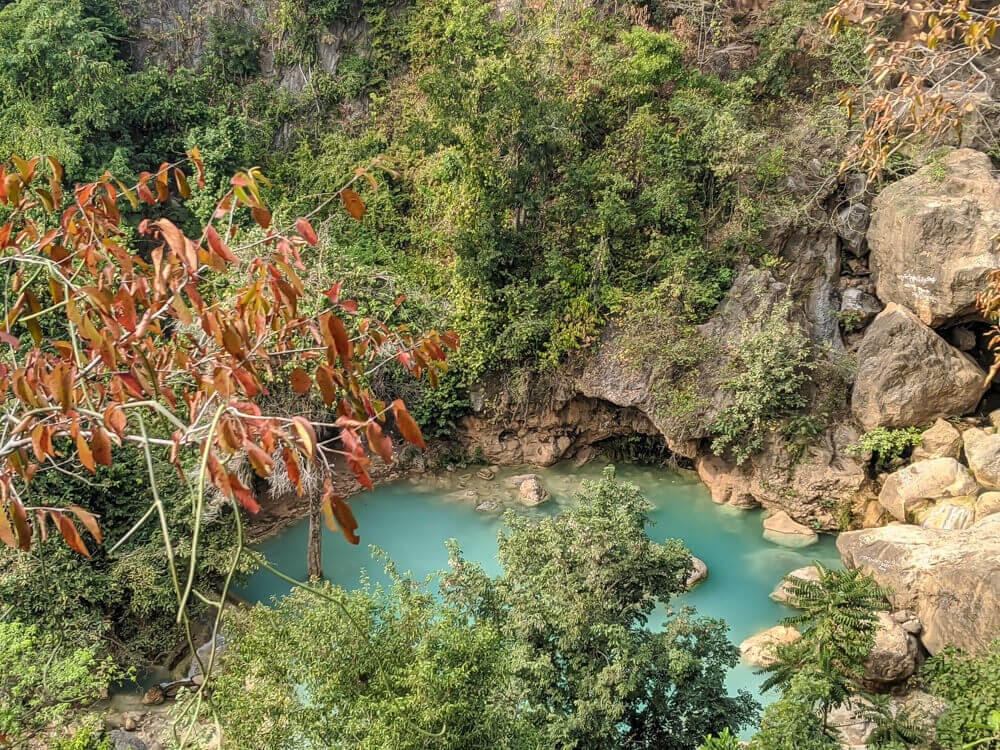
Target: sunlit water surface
<point>411,520</point>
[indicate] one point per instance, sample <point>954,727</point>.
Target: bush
<point>971,685</point>
<point>886,446</point>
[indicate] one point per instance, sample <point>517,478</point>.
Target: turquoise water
<point>411,520</point>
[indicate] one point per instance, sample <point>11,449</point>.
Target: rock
<point>204,653</point>
<point>874,515</point>
<point>913,486</point>
<point>699,572</point>
<point>987,504</point>
<point>130,724</point>
<point>487,474</point>
<point>931,239</point>
<point>758,650</point>
<point>942,440</point>
<point>962,338</point>
<point>531,493</point>
<point>783,590</point>
<point>850,223</point>
<point>725,482</point>
<point>908,375</point>
<point>487,507</point>
<point>894,655</point>
<point>122,740</point>
<point>982,452</point>
<point>857,309</point>
<point>949,579</point>
<point>848,721</point>
<point>781,529</point>
<point>949,515</point>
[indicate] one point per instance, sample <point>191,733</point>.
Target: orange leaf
<point>379,442</point>
<point>84,454</point>
<point>306,435</point>
<point>292,467</point>
<point>260,461</point>
<point>89,520</point>
<point>219,247</point>
<point>21,525</point>
<point>303,227</point>
<point>407,425</point>
<point>70,534</point>
<point>324,379</point>
<point>353,203</point>
<point>6,531</point>
<point>115,420</point>
<point>100,446</point>
<point>345,518</point>
<point>301,382</point>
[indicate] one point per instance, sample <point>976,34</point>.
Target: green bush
<point>971,685</point>
<point>886,445</point>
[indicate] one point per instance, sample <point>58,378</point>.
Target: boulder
<point>204,653</point>
<point>913,486</point>
<point>848,722</point>
<point>942,440</point>
<point>893,658</point>
<point>725,482</point>
<point>699,572</point>
<point>908,375</point>
<point>122,740</point>
<point>982,452</point>
<point>962,338</point>
<point>931,237</point>
<point>948,515</point>
<point>782,592</point>
<point>531,492</point>
<point>781,529</point>
<point>758,650</point>
<point>949,579</point>
<point>857,308</point>
<point>987,504</point>
<point>850,223</point>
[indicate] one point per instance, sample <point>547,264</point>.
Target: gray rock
<point>962,338</point>
<point>913,486</point>
<point>982,451</point>
<point>931,239</point>
<point>204,653</point>
<point>850,224</point>
<point>531,492</point>
<point>893,658</point>
<point>122,740</point>
<point>858,308</point>
<point>949,579</point>
<point>908,375</point>
<point>699,572</point>
<point>783,590</point>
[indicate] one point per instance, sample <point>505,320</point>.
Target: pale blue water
<point>411,522</point>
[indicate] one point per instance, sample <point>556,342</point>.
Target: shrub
<point>886,445</point>
<point>971,685</point>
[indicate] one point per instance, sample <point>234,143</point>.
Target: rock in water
<point>699,572</point>
<point>908,375</point>
<point>949,579</point>
<point>758,650</point>
<point>781,529</point>
<point>531,492</point>
<point>931,238</point>
<point>783,591</point>
<point>914,486</point>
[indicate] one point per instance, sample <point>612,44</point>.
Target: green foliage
<point>43,678</point>
<point>232,50</point>
<point>886,445</point>
<point>724,741</point>
<point>554,652</point>
<point>971,685</point>
<point>769,374</point>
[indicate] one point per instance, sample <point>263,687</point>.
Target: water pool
<point>411,520</point>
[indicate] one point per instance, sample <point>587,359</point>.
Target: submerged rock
<point>931,237</point>
<point>781,529</point>
<point>949,579</point>
<point>758,650</point>
<point>908,375</point>
<point>699,572</point>
<point>914,486</point>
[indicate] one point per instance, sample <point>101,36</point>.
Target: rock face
<point>942,440</point>
<point>781,529</point>
<point>911,487</point>
<point>931,237</point>
<point>782,592</point>
<point>908,375</point>
<point>982,451</point>
<point>893,659</point>
<point>950,579</point>
<point>725,481</point>
<point>758,650</point>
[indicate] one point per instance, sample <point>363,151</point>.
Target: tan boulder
<point>949,579</point>
<point>987,504</point>
<point>782,592</point>
<point>893,658</point>
<point>982,452</point>
<point>909,376</point>
<point>531,492</point>
<point>913,486</point>
<point>759,650</point>
<point>931,238</point>
<point>699,572</point>
<point>781,529</point>
<point>948,515</point>
<point>942,440</point>
<point>725,482</point>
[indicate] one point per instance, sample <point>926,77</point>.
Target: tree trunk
<point>314,553</point>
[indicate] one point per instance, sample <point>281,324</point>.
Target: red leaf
<point>100,446</point>
<point>84,453</point>
<point>300,380</point>
<point>70,534</point>
<point>353,203</point>
<point>379,442</point>
<point>89,520</point>
<point>407,425</point>
<point>217,246</point>
<point>303,227</point>
<point>20,519</point>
